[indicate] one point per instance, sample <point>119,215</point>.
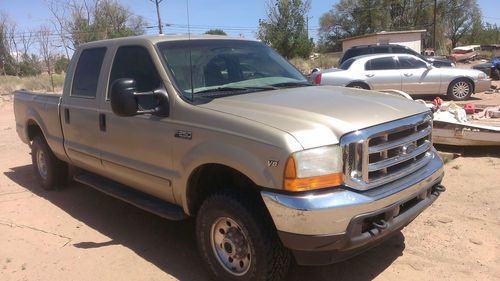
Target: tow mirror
<point>125,99</point>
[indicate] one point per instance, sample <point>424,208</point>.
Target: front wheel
<point>460,89</point>
<point>237,243</point>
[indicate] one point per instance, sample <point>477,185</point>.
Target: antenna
<point>190,55</point>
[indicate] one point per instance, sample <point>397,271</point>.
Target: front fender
<point>235,157</point>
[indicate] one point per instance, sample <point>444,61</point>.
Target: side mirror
<point>429,66</point>
<point>125,99</point>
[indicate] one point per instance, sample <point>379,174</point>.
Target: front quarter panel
<point>209,137</point>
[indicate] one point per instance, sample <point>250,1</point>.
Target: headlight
<point>482,76</point>
<point>314,168</point>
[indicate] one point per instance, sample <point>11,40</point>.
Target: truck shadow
<point>171,246</point>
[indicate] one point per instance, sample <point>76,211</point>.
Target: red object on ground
<point>437,102</point>
<point>470,108</point>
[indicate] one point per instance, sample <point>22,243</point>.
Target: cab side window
<point>135,62</point>
<point>87,73</point>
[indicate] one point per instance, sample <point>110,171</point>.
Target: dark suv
<point>391,48</point>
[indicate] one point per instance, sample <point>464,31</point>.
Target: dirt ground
<point>81,234</point>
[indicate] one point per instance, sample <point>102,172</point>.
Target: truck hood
<point>317,115</point>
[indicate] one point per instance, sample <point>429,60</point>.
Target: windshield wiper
<point>222,91</point>
<point>291,84</point>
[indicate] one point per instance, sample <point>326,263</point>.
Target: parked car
<point>392,49</point>
<point>465,53</point>
<point>404,72</point>
<point>491,69</point>
<point>227,131</point>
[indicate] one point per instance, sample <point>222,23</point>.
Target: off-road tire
<point>56,170</point>
<point>270,259</point>
<point>458,83</point>
<point>358,85</point>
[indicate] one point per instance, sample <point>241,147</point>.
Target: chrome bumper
<point>330,213</point>
<point>482,85</point>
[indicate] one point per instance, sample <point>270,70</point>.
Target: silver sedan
<point>406,73</point>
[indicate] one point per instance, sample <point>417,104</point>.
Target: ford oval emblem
<point>408,148</point>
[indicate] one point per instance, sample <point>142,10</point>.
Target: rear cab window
<point>346,64</point>
<point>87,72</point>
<point>386,63</point>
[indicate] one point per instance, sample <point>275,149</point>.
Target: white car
<point>404,72</point>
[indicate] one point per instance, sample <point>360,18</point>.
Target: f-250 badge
<point>187,135</point>
<point>273,163</point>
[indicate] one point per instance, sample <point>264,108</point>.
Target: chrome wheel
<point>230,245</point>
<point>41,163</point>
<point>461,89</point>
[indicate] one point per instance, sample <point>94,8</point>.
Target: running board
<point>139,199</point>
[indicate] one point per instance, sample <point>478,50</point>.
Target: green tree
<point>460,17</point>
<point>216,31</point>
<point>285,28</point>
<point>30,65</point>
<point>102,19</point>
<point>7,62</point>
<point>61,64</point>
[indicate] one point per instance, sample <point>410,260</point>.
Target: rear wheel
<point>49,170</point>
<point>238,242</point>
<point>460,89</point>
<point>358,85</point>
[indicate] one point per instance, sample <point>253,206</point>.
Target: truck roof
<point>158,38</point>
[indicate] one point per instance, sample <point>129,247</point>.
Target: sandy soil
<point>81,234</point>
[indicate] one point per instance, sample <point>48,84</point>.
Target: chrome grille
<point>377,155</point>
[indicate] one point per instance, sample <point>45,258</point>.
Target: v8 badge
<point>273,163</point>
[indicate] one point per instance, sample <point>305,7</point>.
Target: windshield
<point>215,68</point>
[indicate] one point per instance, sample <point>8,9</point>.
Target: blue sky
<point>235,17</point>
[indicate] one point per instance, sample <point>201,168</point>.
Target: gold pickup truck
<point>227,131</point>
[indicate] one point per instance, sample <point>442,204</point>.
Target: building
<point>409,38</point>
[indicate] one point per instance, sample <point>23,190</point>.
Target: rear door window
<point>381,64</point>
<point>87,72</point>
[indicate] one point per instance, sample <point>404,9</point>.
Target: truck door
<point>79,109</point>
<point>137,150</point>
<point>381,74</point>
<point>417,78</point>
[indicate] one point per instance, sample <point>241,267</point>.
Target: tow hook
<point>438,189</point>
<point>382,224</point>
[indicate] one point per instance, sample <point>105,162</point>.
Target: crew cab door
<point>79,109</point>
<point>137,151</point>
<point>382,74</point>
<point>417,78</point>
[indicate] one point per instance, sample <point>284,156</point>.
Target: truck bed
<point>42,109</point>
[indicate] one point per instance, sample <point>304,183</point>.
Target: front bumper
<point>327,227</point>
<point>482,85</point>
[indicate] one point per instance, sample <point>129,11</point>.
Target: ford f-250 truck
<point>227,131</point>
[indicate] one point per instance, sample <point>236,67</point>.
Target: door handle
<point>66,115</point>
<point>102,122</point>
<point>369,75</point>
<point>408,74</point>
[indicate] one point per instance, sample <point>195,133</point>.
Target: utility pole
<point>434,27</point>
<point>158,2</point>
